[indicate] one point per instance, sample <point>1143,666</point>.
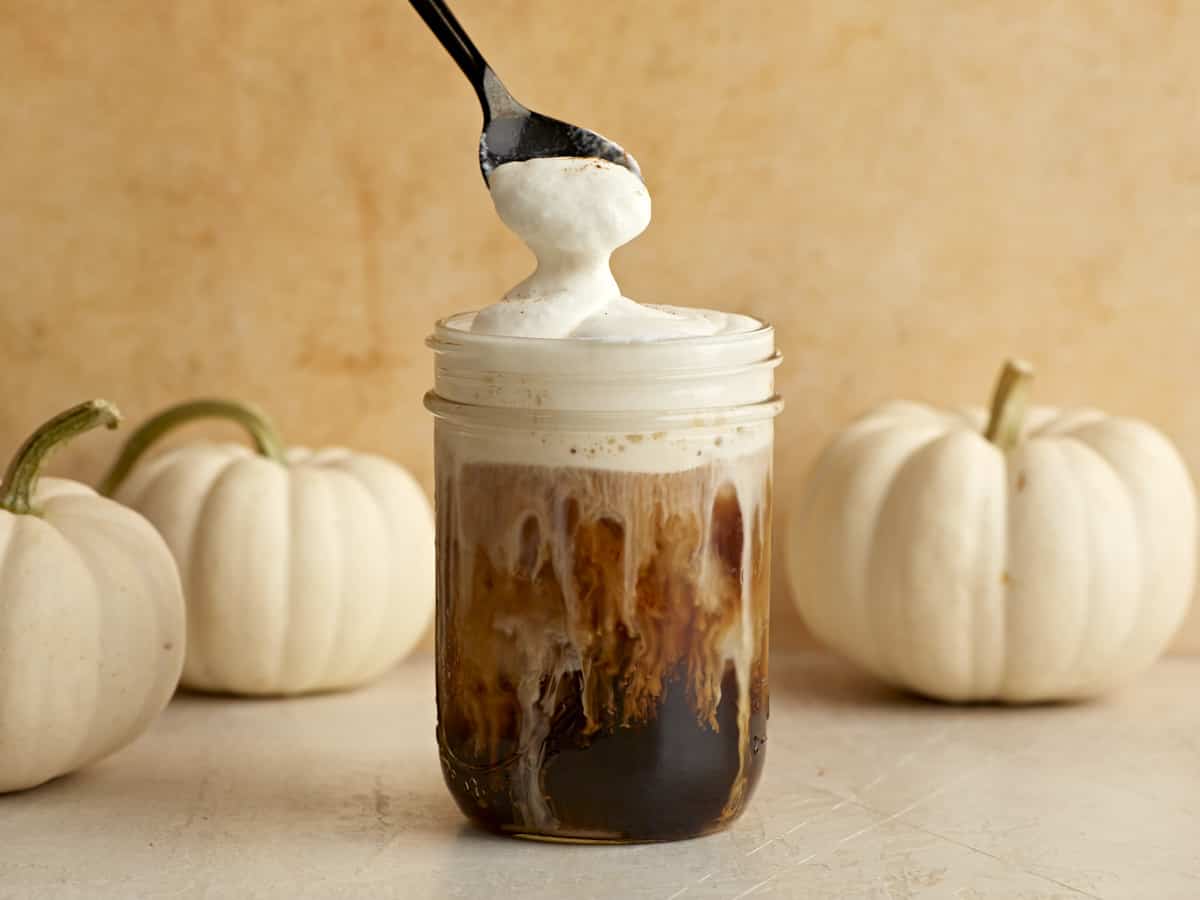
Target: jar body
<point>602,621</point>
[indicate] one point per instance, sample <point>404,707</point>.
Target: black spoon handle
<point>463,50</point>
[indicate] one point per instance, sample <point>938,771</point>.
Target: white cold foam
<point>566,340</point>
<point>648,406</point>
<point>573,213</point>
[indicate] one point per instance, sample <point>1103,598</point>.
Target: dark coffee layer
<point>666,779</point>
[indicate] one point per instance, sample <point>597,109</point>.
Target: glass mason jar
<point>603,538</point>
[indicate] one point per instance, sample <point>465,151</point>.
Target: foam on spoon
<point>573,213</point>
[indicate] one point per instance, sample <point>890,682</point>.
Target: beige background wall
<point>274,199</point>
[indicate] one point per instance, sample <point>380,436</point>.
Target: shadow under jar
<point>603,537</point>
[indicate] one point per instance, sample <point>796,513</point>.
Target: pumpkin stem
<point>21,478</point>
<point>1008,404</point>
<point>262,432</point>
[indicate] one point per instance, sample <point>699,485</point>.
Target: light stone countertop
<point>866,794</point>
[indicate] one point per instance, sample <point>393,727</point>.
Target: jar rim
<point>616,421</point>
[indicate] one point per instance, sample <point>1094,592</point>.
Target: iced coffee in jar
<point>604,529</point>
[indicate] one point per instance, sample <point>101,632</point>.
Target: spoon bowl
<point>511,131</point>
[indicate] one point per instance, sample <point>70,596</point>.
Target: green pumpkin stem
<point>20,479</point>
<point>1009,402</point>
<point>258,426</point>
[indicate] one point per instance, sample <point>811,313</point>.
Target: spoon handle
<point>492,95</point>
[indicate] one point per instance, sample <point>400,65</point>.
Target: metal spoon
<point>511,131</point>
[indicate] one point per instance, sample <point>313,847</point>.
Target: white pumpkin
<point>1037,558</point>
<point>303,570</point>
<point>91,616</point>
